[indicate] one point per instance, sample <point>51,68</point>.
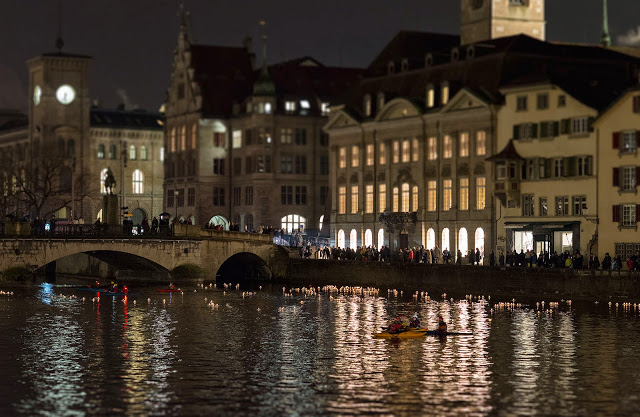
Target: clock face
<point>65,94</point>
<point>37,94</point>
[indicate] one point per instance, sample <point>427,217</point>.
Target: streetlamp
<point>176,193</point>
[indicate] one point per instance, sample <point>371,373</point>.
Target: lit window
<point>396,151</point>
<point>162,154</point>
<point>431,96</point>
<point>324,107</point>
<point>342,200</point>
<point>382,197</point>
<point>290,106</point>
<point>237,139</point>
<point>267,108</point>
<point>433,148</point>
<point>132,152</point>
<point>382,154</point>
<point>464,193</point>
<point>446,195</point>
<point>103,177</point>
<point>183,138</point>
<point>172,140</point>
<point>432,196</point>
<point>370,149</point>
<point>414,198</point>
<point>194,136</point>
<point>100,151</point>
<point>481,142</point>
<point>405,197</point>
<point>395,200</point>
<point>304,104</point>
<point>342,157</point>
<point>355,156</point>
<point>293,222</point>
<point>406,151</point>
<point>286,135</point>
<point>445,93</point>
<point>481,193</point>
<point>464,144</point>
<point>138,182</point>
<point>367,105</point>
<point>415,155</point>
<point>448,147</point>
<point>368,206</point>
<point>354,199</point>
<point>143,153</point>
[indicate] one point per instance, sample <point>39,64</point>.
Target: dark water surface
<point>215,352</point>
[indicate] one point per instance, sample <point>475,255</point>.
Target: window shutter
<point>636,104</point>
<point>566,166</point>
<point>589,165</point>
<point>547,168</point>
<point>534,130</point>
<point>573,163</point>
<point>616,140</point>
<point>637,213</point>
<point>637,175</point>
<point>556,128</point>
<point>566,124</point>
<point>590,123</point>
<point>616,177</point>
<point>516,131</point>
<point>638,138</point>
<point>616,214</point>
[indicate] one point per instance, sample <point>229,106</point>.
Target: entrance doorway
<point>404,240</point>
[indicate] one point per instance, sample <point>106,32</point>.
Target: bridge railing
<point>64,230</point>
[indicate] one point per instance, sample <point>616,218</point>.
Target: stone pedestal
<point>110,210</point>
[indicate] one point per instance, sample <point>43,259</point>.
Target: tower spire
<point>264,86</point>
<point>185,23</point>
<point>59,41</point>
<point>606,38</point>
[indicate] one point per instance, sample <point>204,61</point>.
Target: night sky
<point>132,40</point>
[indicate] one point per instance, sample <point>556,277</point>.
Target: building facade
<point>55,158</point>
<point>245,146</point>
<point>618,133</point>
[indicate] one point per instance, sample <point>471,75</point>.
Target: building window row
<point>576,126</point>
<point>290,195</point>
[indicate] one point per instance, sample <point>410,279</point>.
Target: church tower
<point>481,20</point>
<point>59,118</point>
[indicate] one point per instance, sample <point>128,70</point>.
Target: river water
<point>216,352</point>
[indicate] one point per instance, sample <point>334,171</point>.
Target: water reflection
<point>309,354</point>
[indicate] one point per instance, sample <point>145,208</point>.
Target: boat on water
<point>417,333</point>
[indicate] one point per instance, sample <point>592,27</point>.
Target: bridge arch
<point>242,267</point>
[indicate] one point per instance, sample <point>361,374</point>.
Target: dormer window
<point>380,101</point>
<point>431,96</point>
<point>404,66</point>
<point>324,107</point>
<point>304,104</point>
<point>444,92</point>
<point>267,108</point>
<point>290,106</point>
<point>428,60</point>
<point>367,105</point>
<point>391,67</point>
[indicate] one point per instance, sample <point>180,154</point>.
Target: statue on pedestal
<point>109,182</point>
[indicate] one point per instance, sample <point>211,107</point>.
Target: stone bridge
<point>154,258</point>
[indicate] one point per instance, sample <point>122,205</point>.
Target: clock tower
<point>482,20</point>
<point>59,115</point>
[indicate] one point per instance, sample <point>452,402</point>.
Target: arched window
<point>431,239</point>
<point>103,177</point>
<point>143,153</point>
<point>368,238</point>
<point>112,151</point>
<point>405,197</point>
<point>132,152</point>
<point>367,105</point>
<point>219,221</point>
<point>431,96</point>
<point>380,238</point>
<point>463,242</point>
<point>479,241</point>
<point>100,151</point>
<point>293,222</point>
<point>194,136</point>
<point>71,147</point>
<point>61,147</point>
<point>321,222</point>
<point>138,182</point>
<point>353,239</point>
<point>444,94</point>
<point>445,239</point>
<point>341,239</point>
<point>248,223</point>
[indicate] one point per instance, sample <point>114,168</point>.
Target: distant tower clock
<point>65,94</point>
<point>37,95</point>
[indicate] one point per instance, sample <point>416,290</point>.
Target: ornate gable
<point>464,100</point>
<point>399,108</point>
